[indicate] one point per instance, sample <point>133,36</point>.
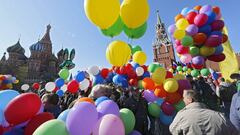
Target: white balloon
<point>139,71</point>
<point>50,86</point>
<point>25,87</point>
<point>94,70</point>
<point>84,84</point>
<point>64,88</point>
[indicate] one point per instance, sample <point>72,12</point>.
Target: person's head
<point>101,90</point>
<point>189,78</point>
<point>50,99</point>
<point>190,96</point>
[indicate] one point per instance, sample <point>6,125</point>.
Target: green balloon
<point>179,106</point>
<point>64,73</point>
<point>115,29</point>
<point>187,41</point>
<point>136,48</point>
<point>194,50</point>
<point>194,73</point>
<point>137,32</point>
<point>153,67</point>
<point>140,84</point>
<point>184,69</point>
<point>179,68</point>
<point>154,110</point>
<point>205,72</point>
<point>52,127</point>
<point>128,119</point>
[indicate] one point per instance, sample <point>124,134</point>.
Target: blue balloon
<point>165,119</point>
<point>6,81</point>
<point>205,29</point>
<point>145,74</point>
<point>159,101</point>
<point>218,50</point>
<point>215,76</point>
<point>101,99</point>
<point>98,79</point>
<point>63,115</point>
<point>211,16</point>
<point>192,10</point>
<point>1,117</point>
<point>80,76</point>
<point>135,65</point>
<point>185,11</point>
<point>15,131</point>
<point>59,82</point>
<point>118,79</point>
<point>110,77</point>
<point>6,96</point>
<point>60,93</point>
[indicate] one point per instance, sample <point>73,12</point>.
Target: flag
<point>230,64</point>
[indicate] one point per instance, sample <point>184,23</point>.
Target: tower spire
<point>4,57</point>
<point>158,18</point>
<point>46,38</point>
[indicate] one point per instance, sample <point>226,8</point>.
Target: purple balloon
<point>183,84</point>
<point>205,9</point>
<point>167,108</point>
<point>81,119</point>
<point>198,60</point>
<point>192,29</point>
<point>135,132</point>
<point>217,25</point>
<point>171,29</point>
<point>149,96</point>
<point>109,125</point>
<point>213,41</point>
<point>107,107</point>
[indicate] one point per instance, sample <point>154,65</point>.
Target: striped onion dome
<point>36,47</point>
<point>16,48</point>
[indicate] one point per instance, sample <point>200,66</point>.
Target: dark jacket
<point>235,111</point>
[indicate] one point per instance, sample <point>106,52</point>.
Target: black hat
<point>235,76</point>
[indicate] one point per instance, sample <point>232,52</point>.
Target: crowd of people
<point>212,107</point>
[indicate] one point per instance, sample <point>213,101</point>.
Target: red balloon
<point>55,90</point>
<point>217,25</point>
<point>213,41</point>
<point>169,75</point>
<point>182,50</point>
<point>36,86</point>
<point>73,86</point>
<point>224,38</point>
<point>133,82</point>
<point>22,108</point>
<point>145,68</point>
<point>104,72</point>
<point>1,130</point>
<point>148,84</point>
<point>167,108</point>
<point>132,74</point>
<point>173,98</point>
<point>36,121</point>
<point>216,10</point>
<point>217,58</point>
<point>197,66</point>
<point>190,17</point>
<point>160,92</point>
<point>199,38</point>
<point>200,19</point>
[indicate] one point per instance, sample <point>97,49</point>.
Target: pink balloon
<point>186,58</point>
<point>200,19</point>
<point>177,42</point>
<point>109,125</point>
<point>182,50</point>
<point>167,108</point>
<point>213,41</point>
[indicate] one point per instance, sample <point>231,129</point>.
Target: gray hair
<point>192,94</point>
<point>101,90</point>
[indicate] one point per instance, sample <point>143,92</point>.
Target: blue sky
<point>72,29</point>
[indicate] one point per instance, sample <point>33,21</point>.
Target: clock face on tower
<point>162,46</point>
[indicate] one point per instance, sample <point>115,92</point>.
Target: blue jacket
<point>235,110</point>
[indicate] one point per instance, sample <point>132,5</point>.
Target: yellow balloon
<point>207,51</point>
<point>182,24</point>
<point>158,76</point>
<point>139,57</point>
<point>170,85</point>
<point>118,53</point>
<point>171,70</point>
<point>179,77</point>
<point>134,13</point>
<point>189,71</point>
<point>103,13</point>
<point>179,34</point>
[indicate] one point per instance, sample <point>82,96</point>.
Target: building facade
<point>162,47</point>
<point>42,65</point>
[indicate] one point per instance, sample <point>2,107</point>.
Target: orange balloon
<point>86,99</point>
<point>197,7</point>
<point>224,38</point>
<point>179,16</point>
<point>160,92</point>
<point>173,98</point>
<point>216,10</point>
<point>148,84</point>
<point>199,38</point>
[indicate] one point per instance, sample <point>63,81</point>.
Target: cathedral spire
<point>158,18</point>
<point>46,38</point>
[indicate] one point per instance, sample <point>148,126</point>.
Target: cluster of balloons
<point>17,112</point>
<point>164,92</point>
<point>7,81</point>
<point>198,35</point>
<point>112,17</point>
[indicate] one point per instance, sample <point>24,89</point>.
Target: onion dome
<point>60,53</point>
<point>37,47</point>
<point>53,58</point>
<point>16,48</point>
